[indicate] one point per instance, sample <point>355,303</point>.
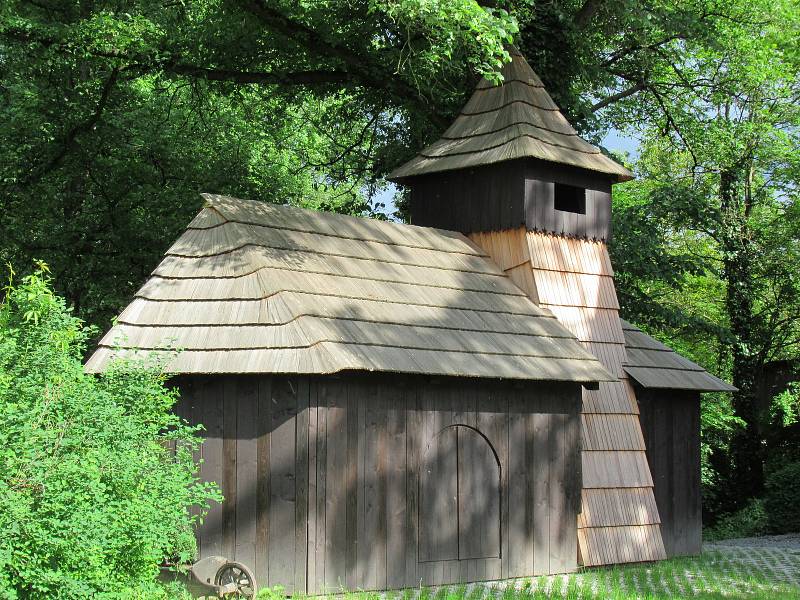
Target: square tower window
<point>569,198</point>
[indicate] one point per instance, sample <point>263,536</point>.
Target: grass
<point>734,574</point>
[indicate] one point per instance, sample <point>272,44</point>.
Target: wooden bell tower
<point>514,176</point>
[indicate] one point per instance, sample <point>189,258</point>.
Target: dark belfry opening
<point>569,198</point>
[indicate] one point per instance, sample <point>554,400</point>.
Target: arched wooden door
<point>459,509</point>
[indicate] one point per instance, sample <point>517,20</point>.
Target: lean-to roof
<point>259,288</point>
<point>654,365</point>
<point>513,120</point>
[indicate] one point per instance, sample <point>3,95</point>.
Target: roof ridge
<point>305,315</point>
<point>341,237</point>
<point>312,344</point>
<point>346,297</point>
<point>215,200</point>
<point>506,105</point>
<point>276,268</point>
<point>480,88</point>
<point>250,245</point>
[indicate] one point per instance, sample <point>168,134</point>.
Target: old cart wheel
<point>239,575</point>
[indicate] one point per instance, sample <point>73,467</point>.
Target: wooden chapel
<point>449,401</point>
<point>514,176</point>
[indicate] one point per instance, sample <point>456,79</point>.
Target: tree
<point>114,117</point>
<point>97,477</point>
<point>721,163</point>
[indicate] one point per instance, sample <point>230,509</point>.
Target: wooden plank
<point>264,480</point>
<point>229,466</point>
<point>492,419</point>
<point>313,441</point>
<point>301,486</point>
<point>336,486</point>
<point>363,544</point>
<point>414,454</point>
<point>540,471</point>
<point>247,434</point>
<point>665,458</point>
<point>210,411</point>
<point>438,521</point>
<point>518,472</point>
<point>694,512</point>
<point>382,459</point>
<point>322,484</point>
<point>353,482</point>
<point>191,395</point>
<point>479,496</point>
<point>468,399</point>
<point>558,509</point>
<point>573,481</point>
<point>683,529</point>
<point>283,493</point>
<point>396,499</point>
<point>375,501</point>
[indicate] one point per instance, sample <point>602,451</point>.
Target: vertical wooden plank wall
<point>347,482</point>
<point>392,458</point>
<point>255,448</point>
<point>671,425</point>
<point>435,197</point>
<point>511,194</point>
<point>573,278</point>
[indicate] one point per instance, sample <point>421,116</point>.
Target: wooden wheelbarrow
<point>215,577</point>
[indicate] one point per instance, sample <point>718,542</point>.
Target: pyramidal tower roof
<point>513,120</point>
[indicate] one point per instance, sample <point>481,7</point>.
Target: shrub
<point>747,522</point>
<point>780,499</point>
<point>97,480</point>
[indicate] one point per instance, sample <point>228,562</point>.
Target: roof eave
<point>403,176</point>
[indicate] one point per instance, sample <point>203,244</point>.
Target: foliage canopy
<point>92,497</point>
<point>114,115</point>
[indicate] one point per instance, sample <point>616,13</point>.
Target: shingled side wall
<point>619,520</point>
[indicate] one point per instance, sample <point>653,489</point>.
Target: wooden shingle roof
<point>654,365</point>
<point>259,288</point>
<point>513,120</point>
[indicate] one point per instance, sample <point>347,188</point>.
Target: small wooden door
<point>459,509</point>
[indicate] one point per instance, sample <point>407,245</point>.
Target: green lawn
<point>729,574</point>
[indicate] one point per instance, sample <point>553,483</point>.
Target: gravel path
<point>737,568</point>
<point>789,540</point>
<point>776,556</point>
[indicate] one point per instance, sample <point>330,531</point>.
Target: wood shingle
<point>258,288</point>
<point>653,365</point>
<point>514,120</point>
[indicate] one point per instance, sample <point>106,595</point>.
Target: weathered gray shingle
<point>513,120</point>
<point>258,288</point>
<point>653,365</point>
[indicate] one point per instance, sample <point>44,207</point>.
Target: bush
<point>780,499</point>
<point>97,480</point>
<point>750,521</point>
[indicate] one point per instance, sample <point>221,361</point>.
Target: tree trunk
<point>747,461</point>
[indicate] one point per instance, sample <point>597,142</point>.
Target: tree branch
<point>618,96</point>
<point>368,73</point>
<point>586,13</point>
<point>71,139</point>
<point>319,77</point>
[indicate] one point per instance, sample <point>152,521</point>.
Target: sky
<point>614,141</point>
